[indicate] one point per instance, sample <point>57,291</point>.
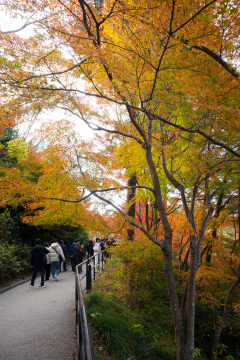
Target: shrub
<point>113,329</point>
<point>9,264</point>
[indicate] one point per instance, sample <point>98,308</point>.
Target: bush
<point>9,264</point>
<point>14,258</point>
<point>121,332</point>
<point>113,329</point>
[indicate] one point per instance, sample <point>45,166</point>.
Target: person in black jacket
<point>77,254</point>
<point>89,248</point>
<point>38,261</point>
<point>70,251</point>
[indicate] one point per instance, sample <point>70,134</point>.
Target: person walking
<point>97,247</point>
<point>63,263</point>
<point>70,251</point>
<point>89,248</point>
<point>48,264</point>
<point>55,251</point>
<point>102,246</point>
<point>77,254</point>
<point>38,261</point>
<point>97,250</point>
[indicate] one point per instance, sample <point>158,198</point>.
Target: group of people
<point>53,259</point>
<point>94,247</point>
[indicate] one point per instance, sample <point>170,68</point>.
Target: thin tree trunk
<point>131,208</point>
<point>190,316</point>
<point>147,216</point>
<point>218,329</point>
<point>177,313</point>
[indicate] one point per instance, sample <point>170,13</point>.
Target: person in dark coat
<point>70,251</point>
<point>77,254</point>
<point>102,244</point>
<point>48,264</point>
<point>64,249</point>
<point>38,261</point>
<point>89,248</point>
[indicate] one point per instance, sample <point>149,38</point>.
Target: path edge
<point>13,286</point>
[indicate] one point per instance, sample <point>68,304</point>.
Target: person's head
<point>71,240</point>
<point>37,241</point>
<point>77,241</point>
<point>55,241</point>
<point>97,239</point>
<point>46,244</point>
<point>61,242</point>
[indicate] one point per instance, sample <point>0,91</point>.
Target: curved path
<point>39,324</point>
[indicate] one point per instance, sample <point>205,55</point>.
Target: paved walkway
<point>39,324</point>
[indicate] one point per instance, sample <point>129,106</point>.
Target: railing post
<point>76,304</point>
<point>89,277</point>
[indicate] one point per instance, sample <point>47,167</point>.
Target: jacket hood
<point>54,245</point>
<point>38,247</point>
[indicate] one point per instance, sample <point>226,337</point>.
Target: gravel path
<point>39,324</point>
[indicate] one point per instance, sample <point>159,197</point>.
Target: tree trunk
<point>190,315</point>
<point>177,313</point>
<point>131,208</point>
<point>218,329</point>
<point>166,245</point>
<point>147,216</point>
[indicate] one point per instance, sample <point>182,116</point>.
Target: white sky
<point>8,24</point>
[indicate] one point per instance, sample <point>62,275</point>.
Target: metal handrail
<point>83,333</point>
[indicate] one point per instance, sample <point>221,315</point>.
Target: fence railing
<point>83,333</point>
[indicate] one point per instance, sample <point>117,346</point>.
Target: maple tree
<point>30,179</point>
<point>172,69</point>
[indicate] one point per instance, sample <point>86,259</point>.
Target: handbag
<point>59,255</point>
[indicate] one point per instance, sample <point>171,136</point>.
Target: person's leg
<point>72,263</point>
<point>53,268</point>
<point>42,275</point>
<point>48,268</point>
<point>64,265</point>
<point>35,270</point>
<point>57,267</point>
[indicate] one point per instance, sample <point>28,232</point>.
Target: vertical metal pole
<point>76,304</point>
<point>89,276</point>
<point>94,263</point>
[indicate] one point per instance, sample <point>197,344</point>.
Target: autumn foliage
<point>160,80</point>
